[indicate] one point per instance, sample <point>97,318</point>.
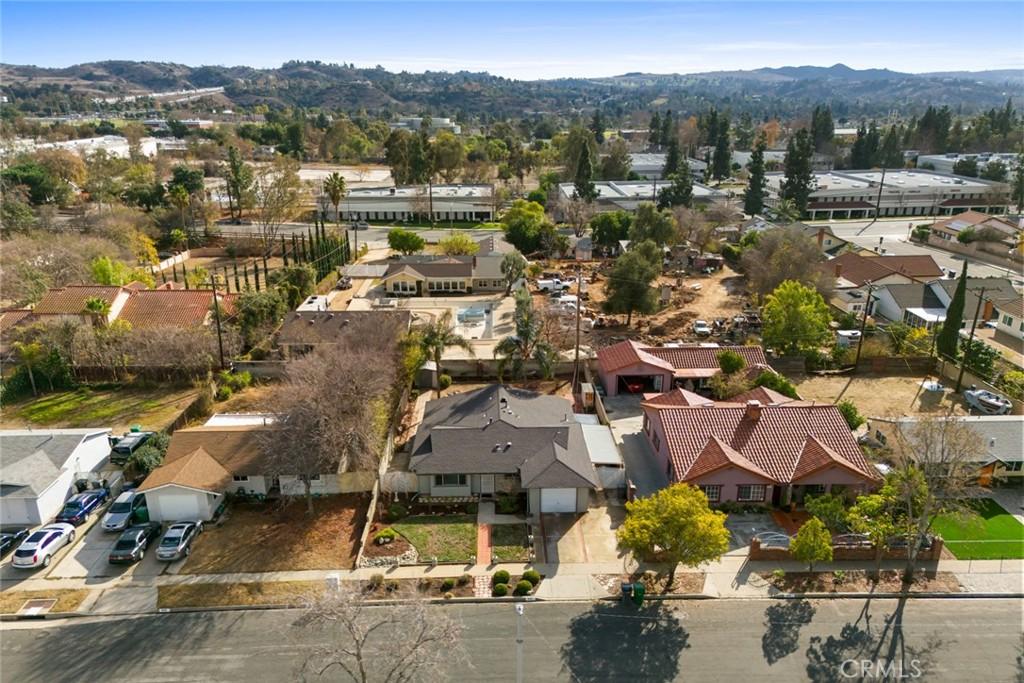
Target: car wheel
<point>46,561</point>
<point>71,536</point>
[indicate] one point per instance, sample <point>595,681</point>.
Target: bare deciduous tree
<point>578,213</point>
<point>277,194</point>
<point>399,643</point>
<point>786,254</point>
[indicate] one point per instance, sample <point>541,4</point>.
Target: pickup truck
<point>554,285</point>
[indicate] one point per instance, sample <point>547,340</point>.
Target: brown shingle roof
<point>862,269</point>
<point>195,470</point>
<point>774,441</point>
<point>71,300</point>
<point>236,448</point>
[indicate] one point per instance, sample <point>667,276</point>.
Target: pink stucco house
<point>635,368</point>
<point>770,449</point>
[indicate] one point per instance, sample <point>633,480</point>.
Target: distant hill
<point>783,91</point>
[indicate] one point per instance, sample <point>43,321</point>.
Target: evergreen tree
<point>1018,183</point>
<point>654,130</point>
<point>891,155</point>
<point>799,177</point>
<point>672,159</point>
<point>584,182</point>
<point>679,192</point>
<point>864,153</point>
<point>668,128</point>
<point>721,161</point>
<point>597,126</point>
<point>753,197</point>
<point>948,340</point>
<point>822,127</point>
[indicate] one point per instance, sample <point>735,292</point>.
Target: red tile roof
<point>716,455</point>
<point>12,316</point>
<point>817,456</point>
<point>676,397</point>
<point>861,269</point>
<point>775,441</point>
<point>624,354</point>
<point>702,361</point>
<point>763,394</point>
<point>71,300</point>
<point>167,307</point>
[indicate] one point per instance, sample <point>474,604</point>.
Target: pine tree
<point>672,158</point>
<point>1018,183</point>
<point>891,155</point>
<point>654,130</point>
<point>948,339</point>
<point>597,126</point>
<point>668,128</point>
<point>799,177</point>
<point>753,198</point>
<point>584,182</point>
<point>722,159</point>
<point>822,127</point>
<point>679,192</point>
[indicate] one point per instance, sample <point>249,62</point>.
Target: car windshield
<point>120,507</point>
<point>126,544</point>
<point>171,540</point>
<point>72,506</point>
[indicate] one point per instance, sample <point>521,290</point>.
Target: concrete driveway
<point>641,467</point>
<point>743,526</point>
<point>580,539</point>
<point>88,559</point>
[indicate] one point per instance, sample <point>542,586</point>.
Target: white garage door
<point>178,506</point>
<point>558,500</point>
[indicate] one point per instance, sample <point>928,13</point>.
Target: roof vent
<point>753,411</point>
<point>992,442</point>
<point>497,448</point>
<point>508,445</point>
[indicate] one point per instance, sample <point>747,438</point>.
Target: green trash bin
<point>638,593</point>
<point>142,515</point>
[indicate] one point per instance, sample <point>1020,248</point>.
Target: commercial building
<point>112,145</point>
<point>443,202</point>
<point>615,195</point>
<point>650,166</point>
<point>944,163</point>
<point>855,194</point>
<point>415,123</point>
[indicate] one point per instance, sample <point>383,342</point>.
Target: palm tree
<point>334,187</point>
<point>30,354</point>
<point>526,344</point>
<point>98,309</point>
<point>786,211</point>
<point>438,336</point>
<point>180,198</point>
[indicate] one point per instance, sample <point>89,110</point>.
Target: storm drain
<point>37,607</point>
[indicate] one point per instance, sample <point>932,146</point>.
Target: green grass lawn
<point>996,535</point>
<point>508,542</point>
<point>114,405</point>
<point>449,538</point>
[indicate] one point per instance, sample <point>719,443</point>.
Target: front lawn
<point>264,537</point>
<point>997,535</point>
<point>508,542</point>
<point>115,405</point>
<point>449,538</point>
<point>68,599</point>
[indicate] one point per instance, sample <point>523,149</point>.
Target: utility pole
<point>519,643</point>
<point>970,340</point>
<point>216,316</point>
<point>878,204</point>
<point>579,306</point>
<point>863,325</point>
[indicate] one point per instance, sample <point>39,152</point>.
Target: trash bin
<point>627,590</point>
<point>638,593</point>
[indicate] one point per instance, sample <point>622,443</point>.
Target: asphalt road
<point>764,640</point>
<point>375,233</point>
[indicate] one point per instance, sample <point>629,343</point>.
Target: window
<point>814,489</point>
<point>750,493</point>
<point>239,478</point>
<point>315,477</point>
<point>712,491</point>
<point>1007,320</point>
<point>1015,466</point>
<point>449,480</point>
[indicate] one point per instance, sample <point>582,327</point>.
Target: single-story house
<point>856,270</point>
<point>203,463</point>
<point>39,467</point>
<point>924,304</point>
<point>632,367</point>
<point>302,331</point>
<point>756,453</point>
<point>502,440</point>
<point>427,275</point>
<point>1002,233</point>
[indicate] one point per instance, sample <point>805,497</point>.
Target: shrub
<point>145,459</point>
<point>465,580</point>
<point>779,574</point>
<point>500,576</point>
<point>731,362</point>
<point>385,535</point>
<point>830,509</point>
<point>532,575</point>
<point>223,393</point>
<point>850,413</point>
<point>424,583</point>
<point>500,590</point>
<point>448,584</point>
<point>506,504</point>
<point>391,586</point>
<point>396,511</point>
<point>838,576</point>
<point>471,508</point>
<point>523,588</point>
<point>376,581</point>
<point>539,196</point>
<point>444,381</point>
<point>776,382</point>
<point>449,596</point>
<point>235,380</point>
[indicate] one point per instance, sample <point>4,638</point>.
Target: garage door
<point>178,506</point>
<point>558,500</point>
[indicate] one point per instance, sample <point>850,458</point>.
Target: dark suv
<point>126,445</point>
<point>78,507</point>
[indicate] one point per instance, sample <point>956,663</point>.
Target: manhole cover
<point>34,607</point>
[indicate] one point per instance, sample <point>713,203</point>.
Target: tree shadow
<point>618,642</point>
<point>783,622</point>
<point>861,653</point>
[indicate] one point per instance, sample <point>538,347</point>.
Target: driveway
<point>1011,499</point>
<point>641,466</point>
<point>579,539</point>
<point>744,526</point>
<point>88,559</point>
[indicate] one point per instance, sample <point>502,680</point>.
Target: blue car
<point>78,507</point>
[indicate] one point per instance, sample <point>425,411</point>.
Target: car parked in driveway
<point>39,548</point>
<point>124,511</point>
<point>131,545</point>
<point>11,537</point>
<point>80,505</point>
<point>177,541</point>
<point>121,450</point>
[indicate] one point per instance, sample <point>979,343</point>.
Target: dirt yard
<point>219,265</point>
<point>857,581</point>
<point>879,396</point>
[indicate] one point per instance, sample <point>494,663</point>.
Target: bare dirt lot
<point>880,396</point>
<point>218,264</point>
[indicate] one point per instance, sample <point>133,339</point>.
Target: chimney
<point>839,269</point>
<point>753,411</point>
<point>821,236</point>
<point>986,313</point>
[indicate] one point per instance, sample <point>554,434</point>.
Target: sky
<point>524,40</point>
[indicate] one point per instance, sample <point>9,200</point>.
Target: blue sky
<point>523,39</point>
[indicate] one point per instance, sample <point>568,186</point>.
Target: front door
<point>486,484</point>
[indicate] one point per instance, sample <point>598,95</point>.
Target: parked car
<point>360,225</point>
<point>701,328</point>
<point>124,511</point>
<point>39,548</point>
<point>123,448</point>
<point>78,507</point>
<point>10,537</point>
<point>131,545</point>
<point>177,541</point>
<point>553,285</point>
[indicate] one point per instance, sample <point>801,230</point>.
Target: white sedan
<point>701,328</point>
<point>39,548</point>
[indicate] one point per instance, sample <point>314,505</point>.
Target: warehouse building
<point>443,202</point>
<point>614,195</point>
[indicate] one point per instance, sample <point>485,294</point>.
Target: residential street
<point>770,640</point>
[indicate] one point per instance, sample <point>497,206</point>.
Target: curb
<point>893,596</point>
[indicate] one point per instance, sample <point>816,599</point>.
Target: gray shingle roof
<point>498,429</point>
<point>31,460</point>
<point>914,295</point>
